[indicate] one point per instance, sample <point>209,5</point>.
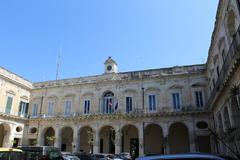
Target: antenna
<point>58,62</point>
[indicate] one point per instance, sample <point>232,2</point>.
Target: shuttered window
<point>9,105</point>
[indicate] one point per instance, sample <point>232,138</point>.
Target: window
<point>50,108</point>
<point>199,99</point>
<point>9,105</point>
<point>23,109</point>
<point>128,104</point>
<point>218,72</point>
<point>176,101</point>
<point>35,110</point>
<point>152,102</point>
<point>86,107</point>
<point>108,103</point>
<point>67,107</point>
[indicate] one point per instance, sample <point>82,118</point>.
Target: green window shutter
<point>9,105</point>
<point>20,109</point>
<point>26,109</point>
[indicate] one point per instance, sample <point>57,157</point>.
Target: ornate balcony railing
<point>136,112</point>
<point>232,57</point>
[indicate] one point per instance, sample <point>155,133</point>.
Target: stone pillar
<point>141,139</point>
<point>191,132</point>
<point>40,137</point>
<point>75,143</point>
<point>58,141</point>
<point>165,138</point>
<point>96,143</point>
<point>118,136</point>
<point>9,137</point>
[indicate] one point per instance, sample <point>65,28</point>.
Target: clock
<point>109,68</point>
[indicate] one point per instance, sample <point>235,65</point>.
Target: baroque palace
<point>180,109</point>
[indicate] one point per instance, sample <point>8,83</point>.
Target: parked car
<point>101,156</point>
<point>11,154</point>
<point>187,156</point>
<point>125,156</point>
<point>83,156</point>
<point>70,157</point>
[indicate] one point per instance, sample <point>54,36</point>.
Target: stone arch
<point>48,135</point>
<point>87,138</point>
<point>235,110</point>
<point>178,138</point>
<point>66,138</point>
<point>153,139</point>
<point>107,139</point>
<point>5,130</point>
<point>231,22</point>
<point>130,140</point>
<point>226,116</point>
<point>220,131</point>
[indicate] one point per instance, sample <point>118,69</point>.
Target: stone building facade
<point>14,100</point>
<point>124,110</point>
<point>223,72</point>
<point>179,109</point>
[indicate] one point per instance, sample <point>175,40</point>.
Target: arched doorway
<point>107,140</point>
<point>108,102</point>
<point>179,138</point>
<point>86,139</point>
<point>4,135</point>
<point>67,139</point>
<point>49,137</point>
<point>130,141</point>
<point>153,139</point>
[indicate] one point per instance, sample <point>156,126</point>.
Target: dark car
<point>83,156</point>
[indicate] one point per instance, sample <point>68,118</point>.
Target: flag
<point>116,106</point>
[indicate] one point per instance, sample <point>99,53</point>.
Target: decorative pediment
<point>24,97</point>
<point>90,94</point>
<point>176,86</point>
<point>11,92</point>
<point>198,84</point>
<point>129,91</point>
<point>152,89</point>
<point>52,97</point>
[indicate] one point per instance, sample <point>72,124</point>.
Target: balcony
<point>231,60</point>
<point>135,113</point>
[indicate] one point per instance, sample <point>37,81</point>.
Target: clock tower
<point>110,66</point>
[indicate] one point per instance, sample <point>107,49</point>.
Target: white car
<point>70,157</point>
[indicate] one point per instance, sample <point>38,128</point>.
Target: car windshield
<point>10,155</point>
<point>4,155</point>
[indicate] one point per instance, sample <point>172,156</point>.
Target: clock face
<point>109,68</point>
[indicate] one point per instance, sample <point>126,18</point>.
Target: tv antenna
<point>58,63</point>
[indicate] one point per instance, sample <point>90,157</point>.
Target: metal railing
<point>232,55</point>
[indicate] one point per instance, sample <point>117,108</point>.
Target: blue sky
<point>137,34</point>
